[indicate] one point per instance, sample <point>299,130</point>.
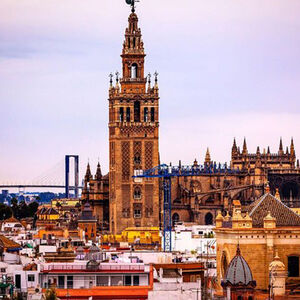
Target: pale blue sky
<point>226,68</point>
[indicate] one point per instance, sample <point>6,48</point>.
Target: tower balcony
<point>134,80</point>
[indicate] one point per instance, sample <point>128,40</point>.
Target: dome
<point>238,272</point>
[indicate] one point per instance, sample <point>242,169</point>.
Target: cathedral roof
<point>269,204</point>
<point>238,272</point>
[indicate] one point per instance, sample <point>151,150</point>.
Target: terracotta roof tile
<point>268,203</point>
<point>7,243</point>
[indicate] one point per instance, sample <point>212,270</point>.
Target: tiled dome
<point>238,272</point>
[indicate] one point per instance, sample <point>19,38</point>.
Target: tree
<point>33,207</point>
<point>15,207</point>
<point>51,294</point>
<point>5,212</point>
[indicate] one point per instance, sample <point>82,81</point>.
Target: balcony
<point>102,267</point>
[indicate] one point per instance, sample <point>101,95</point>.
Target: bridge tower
<point>67,174</point>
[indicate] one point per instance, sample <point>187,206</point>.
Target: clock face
<point>129,2</point>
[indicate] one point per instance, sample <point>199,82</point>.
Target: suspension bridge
<point>57,177</point>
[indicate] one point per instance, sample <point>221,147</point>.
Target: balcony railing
<point>102,267</point>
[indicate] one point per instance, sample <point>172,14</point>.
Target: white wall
<point>173,291</point>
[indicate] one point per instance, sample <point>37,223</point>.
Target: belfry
<point>133,137</point>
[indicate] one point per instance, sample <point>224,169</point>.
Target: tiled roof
<point>7,243</point>
<point>11,220</point>
<point>268,203</point>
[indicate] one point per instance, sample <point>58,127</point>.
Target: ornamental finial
<point>111,79</point>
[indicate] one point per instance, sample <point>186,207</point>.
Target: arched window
<point>209,219</point>
<point>134,71</point>
<point>128,114</point>
<point>137,195</point>
<point>152,114</point>
<point>146,117</point>
<point>175,219</point>
<point>121,114</point>
<point>137,111</point>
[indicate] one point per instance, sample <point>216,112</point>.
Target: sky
<point>227,68</point>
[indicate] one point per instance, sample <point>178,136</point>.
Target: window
<point>209,219</point>
<point>239,298</point>
<point>127,280</point>
<point>134,69</point>
<point>137,193</point>
<point>128,114</point>
<point>61,282</point>
<point>136,280</point>
<point>116,280</point>
<point>31,277</point>
<point>121,117</point>
<point>137,159</point>
<point>293,266</point>
<point>102,280</point>
<point>137,213</point>
<point>18,281</point>
<point>69,282</point>
<point>137,111</point>
<point>146,117</point>
<point>175,219</point>
<point>152,114</point>
<point>3,270</point>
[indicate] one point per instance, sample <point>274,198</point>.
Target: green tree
<point>15,207</point>
<point>5,212</point>
<point>33,207</point>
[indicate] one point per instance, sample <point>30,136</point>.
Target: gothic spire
<point>234,147</point>
<point>207,157</point>
<point>280,147</point>
<point>287,150</point>
<point>98,175</point>
<point>268,151</point>
<point>292,148</point>
<point>245,151</point>
<point>88,174</point>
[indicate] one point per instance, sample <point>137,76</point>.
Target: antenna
<point>132,4</point>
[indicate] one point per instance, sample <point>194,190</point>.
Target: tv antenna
<point>132,4</point>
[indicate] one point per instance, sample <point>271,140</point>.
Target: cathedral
<point>119,201</point>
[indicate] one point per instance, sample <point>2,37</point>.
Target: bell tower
<point>133,137</point>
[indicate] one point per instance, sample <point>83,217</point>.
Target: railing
<point>101,267</point>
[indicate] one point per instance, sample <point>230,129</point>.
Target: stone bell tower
<point>133,138</point>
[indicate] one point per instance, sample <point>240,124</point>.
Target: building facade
<point>133,138</point>
<point>267,229</point>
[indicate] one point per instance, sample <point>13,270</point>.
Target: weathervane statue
<point>132,3</point>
